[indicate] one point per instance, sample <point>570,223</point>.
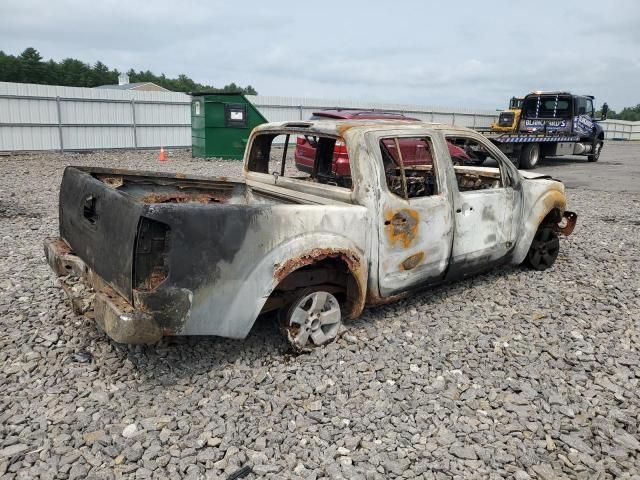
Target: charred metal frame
<point>169,255</point>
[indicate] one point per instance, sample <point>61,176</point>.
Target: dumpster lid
<point>200,94</point>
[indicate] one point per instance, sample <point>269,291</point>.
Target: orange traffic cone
<point>162,157</point>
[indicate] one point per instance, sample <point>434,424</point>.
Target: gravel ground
<point>512,374</point>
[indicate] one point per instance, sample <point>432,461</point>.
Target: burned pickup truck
<point>166,254</point>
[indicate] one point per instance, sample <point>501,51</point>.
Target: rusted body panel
<point>174,255</point>
<point>219,254</point>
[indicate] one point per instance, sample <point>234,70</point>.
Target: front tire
<point>597,148</point>
<point>544,249</point>
<point>530,155</point>
<point>313,319</point>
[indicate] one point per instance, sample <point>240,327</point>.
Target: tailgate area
<point>91,297</point>
<point>99,224</point>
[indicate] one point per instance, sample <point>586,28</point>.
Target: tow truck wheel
<point>311,320</point>
<point>544,249</point>
<point>597,148</point>
<point>529,155</point>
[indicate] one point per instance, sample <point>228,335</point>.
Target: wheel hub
<point>313,320</point>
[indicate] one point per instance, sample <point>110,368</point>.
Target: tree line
<point>29,67</point>
<point>631,114</point>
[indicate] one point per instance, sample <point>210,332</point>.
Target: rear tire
<point>530,155</point>
<point>544,249</point>
<point>597,148</point>
<point>515,159</point>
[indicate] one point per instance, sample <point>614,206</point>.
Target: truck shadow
<point>566,160</point>
<point>176,359</point>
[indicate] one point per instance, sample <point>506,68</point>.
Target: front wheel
<point>544,249</point>
<point>597,148</point>
<point>529,155</point>
<point>311,320</point>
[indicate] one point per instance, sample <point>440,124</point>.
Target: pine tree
<point>28,67</point>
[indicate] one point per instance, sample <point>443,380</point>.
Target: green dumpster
<point>221,124</point>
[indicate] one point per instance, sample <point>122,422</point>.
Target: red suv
<point>413,152</point>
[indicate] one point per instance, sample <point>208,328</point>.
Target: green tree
<point>32,69</point>
<point>631,114</point>
<point>9,68</point>
<point>74,73</point>
<point>28,67</point>
<point>101,75</point>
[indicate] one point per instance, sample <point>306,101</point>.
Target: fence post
<point>453,119</point>
<point>300,110</point>
<point>133,123</point>
<point>59,123</point>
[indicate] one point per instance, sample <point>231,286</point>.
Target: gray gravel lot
<point>512,374</point>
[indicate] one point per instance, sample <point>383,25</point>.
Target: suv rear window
<point>548,106</point>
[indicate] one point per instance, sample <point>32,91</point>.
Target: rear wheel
<point>312,319</point>
<point>544,249</point>
<point>515,158</point>
<point>529,155</point>
<point>597,148</point>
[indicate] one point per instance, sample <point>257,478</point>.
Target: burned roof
<point>337,128</point>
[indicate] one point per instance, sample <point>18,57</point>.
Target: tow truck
<point>551,124</point>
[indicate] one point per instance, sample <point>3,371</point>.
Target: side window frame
<point>280,176</point>
<point>507,177</point>
<point>589,107</point>
<point>438,190</point>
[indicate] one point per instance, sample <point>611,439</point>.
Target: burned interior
<point>408,166</point>
<point>410,170</point>
<point>474,153</point>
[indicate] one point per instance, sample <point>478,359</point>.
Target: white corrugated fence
<point>46,117</point>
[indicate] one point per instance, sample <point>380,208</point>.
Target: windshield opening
<point>515,103</point>
<point>547,106</point>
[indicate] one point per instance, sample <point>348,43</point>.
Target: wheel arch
<point>246,294</point>
<point>547,210</point>
<point>341,268</point>
<point>552,217</point>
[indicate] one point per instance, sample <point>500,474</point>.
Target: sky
<point>463,54</point>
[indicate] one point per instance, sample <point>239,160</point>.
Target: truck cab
<point>559,112</point>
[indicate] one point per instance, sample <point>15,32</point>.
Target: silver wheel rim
<point>597,152</point>
<point>314,320</point>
